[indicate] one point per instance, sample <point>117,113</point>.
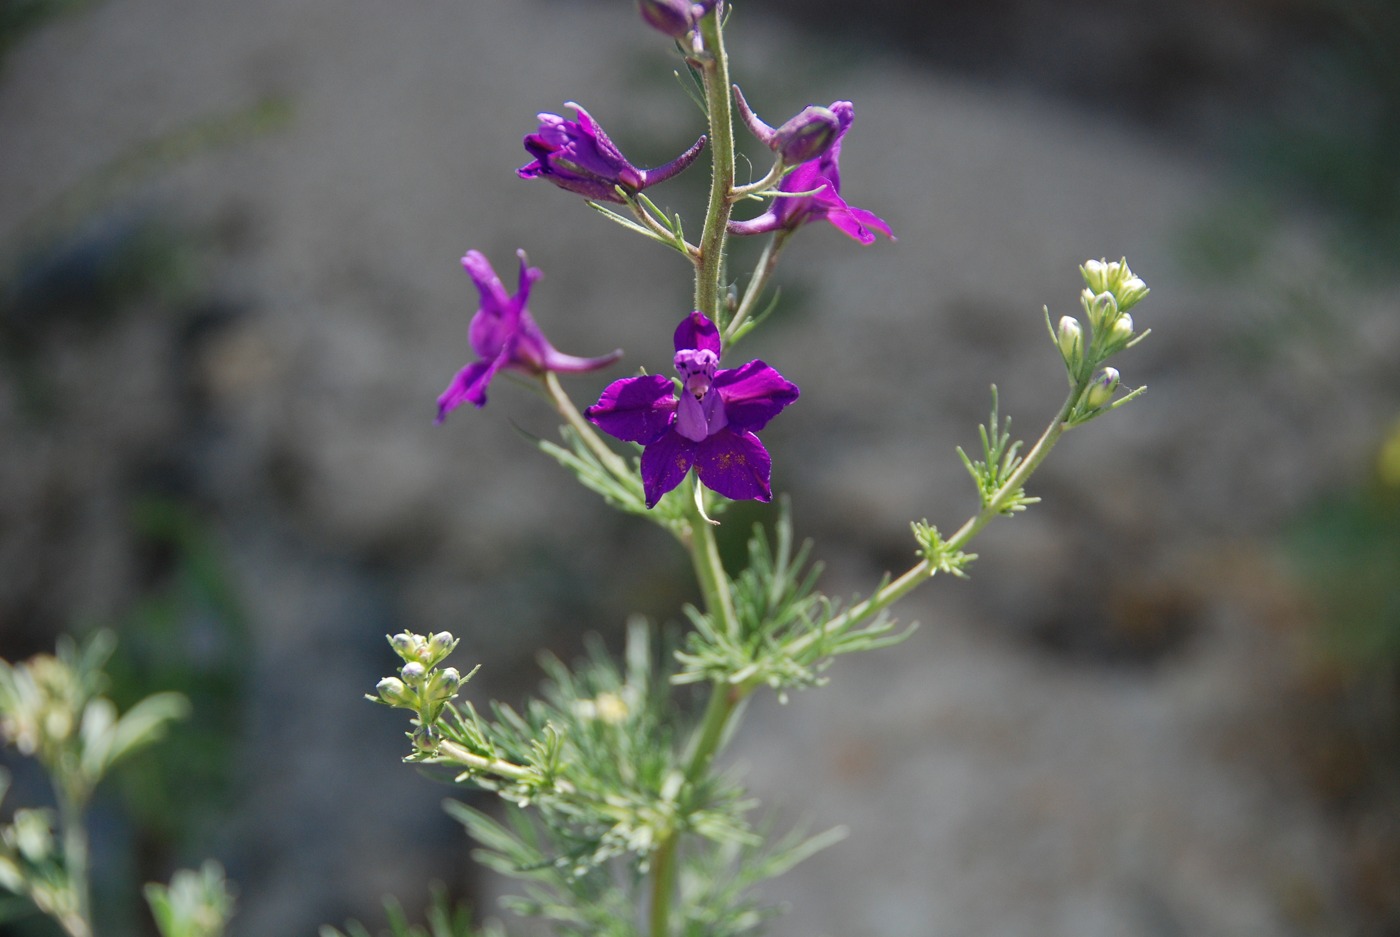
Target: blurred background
<point>1168,701</point>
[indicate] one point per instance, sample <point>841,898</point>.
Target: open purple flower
<point>578,156</point>
<point>821,177</point>
<point>504,335</point>
<point>710,425</point>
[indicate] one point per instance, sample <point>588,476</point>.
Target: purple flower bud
<point>808,135</point>
<point>672,17</point>
<point>504,336</point>
<point>577,155</point>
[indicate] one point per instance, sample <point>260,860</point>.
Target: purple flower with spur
<point>578,156</point>
<point>710,425</point>
<point>820,176</point>
<point>504,335</point>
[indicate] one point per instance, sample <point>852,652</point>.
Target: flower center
<point>700,411</point>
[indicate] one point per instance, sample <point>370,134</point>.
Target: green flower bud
<point>1131,291</point>
<point>1070,338</point>
<point>1101,391</point>
<point>405,644</point>
<point>445,683</point>
<point>413,673</point>
<point>392,691</point>
<point>1095,274</point>
<point>1121,331</point>
<point>1102,310</point>
<point>439,646</point>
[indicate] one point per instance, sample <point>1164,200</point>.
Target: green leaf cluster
<point>1000,460</point>
<point>788,632</point>
<point>443,920</point>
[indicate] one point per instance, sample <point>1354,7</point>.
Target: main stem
<point>709,268</point>
<point>714,584</point>
<point>76,921</point>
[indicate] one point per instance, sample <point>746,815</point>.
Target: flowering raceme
<point>710,425</point>
<point>820,176</point>
<point>578,156</point>
<point>504,335</point>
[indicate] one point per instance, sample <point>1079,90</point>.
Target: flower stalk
<point>709,266</point>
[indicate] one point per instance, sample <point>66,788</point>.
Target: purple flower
<point>577,155</point>
<point>821,177</point>
<point>504,335</point>
<point>710,425</point>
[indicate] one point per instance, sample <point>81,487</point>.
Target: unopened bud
<point>1101,308</point>
<point>405,644</point>
<point>439,646</point>
<point>1101,391</point>
<point>413,672</point>
<point>1095,274</point>
<point>807,135</point>
<point>1131,291</point>
<point>392,690</point>
<point>1121,331</point>
<point>672,17</point>
<point>447,681</point>
<point>1070,338</point>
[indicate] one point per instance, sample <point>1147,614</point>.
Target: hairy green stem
<point>714,584</point>
<point>709,269</point>
<point>481,763</point>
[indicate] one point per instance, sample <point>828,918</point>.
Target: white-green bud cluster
<point>1106,328</point>
<point>420,685</point>
<point>1116,279</point>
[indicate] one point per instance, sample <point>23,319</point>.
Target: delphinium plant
<point>52,709</point>
<point>619,819</point>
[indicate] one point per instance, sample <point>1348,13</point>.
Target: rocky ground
<point>1097,736</point>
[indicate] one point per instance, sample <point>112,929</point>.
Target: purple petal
<point>597,148</point>
<point>734,464</point>
<point>495,318</point>
<point>635,409</point>
<point>469,385</point>
<point>753,394</point>
<point>664,464</point>
<point>697,419</point>
<point>697,332</point>
<point>857,222</point>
